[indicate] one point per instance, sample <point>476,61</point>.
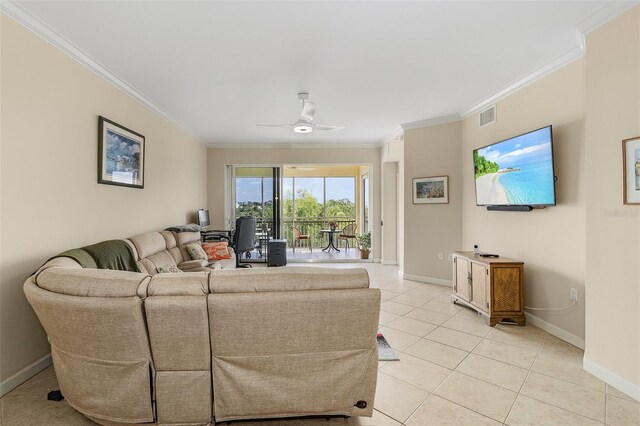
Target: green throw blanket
<point>112,254</point>
<point>79,255</point>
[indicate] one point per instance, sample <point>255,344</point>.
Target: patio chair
<point>299,236</point>
<point>348,233</point>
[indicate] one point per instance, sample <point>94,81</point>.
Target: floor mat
<point>385,352</point>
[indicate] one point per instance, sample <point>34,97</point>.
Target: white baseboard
<point>623,385</point>
<point>555,330</point>
<point>12,382</point>
<point>389,262</point>
<point>430,280</point>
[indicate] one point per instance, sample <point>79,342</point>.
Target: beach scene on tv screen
<point>516,171</point>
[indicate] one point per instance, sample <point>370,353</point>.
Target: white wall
<point>390,212</point>
<point>50,199</point>
<point>393,151</point>
<point>550,241</point>
<point>612,229</point>
<point>430,229</point>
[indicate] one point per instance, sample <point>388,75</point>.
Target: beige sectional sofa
<point>190,348</point>
<point>168,248</point>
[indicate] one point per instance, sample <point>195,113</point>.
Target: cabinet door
<point>507,282</point>
<point>461,278</point>
<point>479,285</point>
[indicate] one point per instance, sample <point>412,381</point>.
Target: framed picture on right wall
<point>431,190</point>
<point>631,164</point>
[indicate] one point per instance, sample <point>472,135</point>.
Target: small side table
<point>330,233</point>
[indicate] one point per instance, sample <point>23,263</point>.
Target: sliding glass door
<point>256,193</point>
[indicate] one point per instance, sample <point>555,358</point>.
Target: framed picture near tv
<point>631,172</point>
<point>431,190</point>
<point>518,171</point>
<point>120,155</point>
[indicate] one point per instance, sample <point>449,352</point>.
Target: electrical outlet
<point>573,295</point>
<point>450,257</point>
<point>440,256</point>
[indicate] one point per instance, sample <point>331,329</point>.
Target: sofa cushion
<point>196,251</point>
<point>286,279</point>
<point>189,265</point>
<point>152,262</point>
<point>90,282</point>
<point>217,251</point>
<point>148,244</point>
<point>169,239</point>
<point>176,253</point>
<point>58,262</point>
<point>184,238</point>
<point>169,269</point>
<point>185,284</point>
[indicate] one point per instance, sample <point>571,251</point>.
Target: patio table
<point>330,233</point>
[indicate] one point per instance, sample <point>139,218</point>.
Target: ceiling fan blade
<point>308,110</point>
<point>326,127</point>
<point>273,125</point>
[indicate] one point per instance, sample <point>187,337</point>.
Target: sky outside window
<point>248,189</point>
<point>341,188</point>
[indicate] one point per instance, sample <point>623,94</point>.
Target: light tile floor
<point>453,370</point>
<point>304,255</point>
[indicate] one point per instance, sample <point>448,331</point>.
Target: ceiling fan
<point>305,123</point>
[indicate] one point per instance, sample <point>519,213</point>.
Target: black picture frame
<point>121,155</point>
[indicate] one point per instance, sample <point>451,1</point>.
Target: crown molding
<point>594,21</point>
<point>567,58</point>
<point>429,122</point>
<point>582,29</point>
<point>604,15</point>
<point>293,145</point>
<point>33,24</point>
<point>391,137</point>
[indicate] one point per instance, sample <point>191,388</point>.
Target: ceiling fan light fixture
<point>303,128</point>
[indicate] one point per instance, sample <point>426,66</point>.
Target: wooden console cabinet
<point>493,286</point>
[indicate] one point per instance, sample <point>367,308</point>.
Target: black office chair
<point>244,238</point>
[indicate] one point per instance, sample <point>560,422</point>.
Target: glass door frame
<point>230,189</point>
<point>230,194</point>
<point>365,202</point>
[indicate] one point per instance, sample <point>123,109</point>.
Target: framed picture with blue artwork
<point>431,190</point>
<point>120,155</point>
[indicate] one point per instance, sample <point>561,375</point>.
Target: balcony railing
<point>308,226</point>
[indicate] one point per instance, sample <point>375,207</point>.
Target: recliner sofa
<point>167,248</point>
<point>190,348</point>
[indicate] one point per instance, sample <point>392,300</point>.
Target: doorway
<point>256,192</point>
<point>319,209</point>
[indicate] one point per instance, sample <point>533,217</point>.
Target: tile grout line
<point>606,401</point>
<point>544,340</point>
<point>457,403</point>
<point>452,371</point>
<point>420,406</point>
<point>523,382</point>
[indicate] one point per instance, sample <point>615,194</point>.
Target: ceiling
<point>220,68</point>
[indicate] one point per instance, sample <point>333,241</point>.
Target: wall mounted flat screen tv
<point>517,171</point>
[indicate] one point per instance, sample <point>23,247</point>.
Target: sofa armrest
<point>193,264</point>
